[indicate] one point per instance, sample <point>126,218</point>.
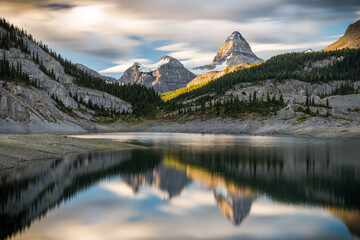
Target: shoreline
<point>315,128</point>
<point>19,149</point>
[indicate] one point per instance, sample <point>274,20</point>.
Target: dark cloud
<point>104,53</point>
<point>236,10</point>
<point>58,6</point>
<point>325,3</point>
<point>122,27</point>
<point>233,10</point>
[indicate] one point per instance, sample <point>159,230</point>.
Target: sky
<point>109,35</point>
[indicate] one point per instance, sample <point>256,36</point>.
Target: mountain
<point>166,75</point>
<point>95,73</point>
<point>351,38</point>
<point>308,51</point>
<point>235,50</point>
<point>42,92</point>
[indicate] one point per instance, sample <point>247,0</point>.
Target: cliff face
<point>26,109</point>
<point>235,50</point>
<point>168,74</point>
<point>351,38</point>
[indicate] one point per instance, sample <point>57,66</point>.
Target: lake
<point>189,186</point>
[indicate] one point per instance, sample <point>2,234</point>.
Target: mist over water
<point>181,186</point>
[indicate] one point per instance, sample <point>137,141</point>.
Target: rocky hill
<point>55,103</point>
<point>351,38</point>
<point>235,50</point>
<point>168,74</point>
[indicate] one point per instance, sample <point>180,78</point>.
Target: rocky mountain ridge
<point>235,50</point>
<point>166,75</point>
<point>351,38</point>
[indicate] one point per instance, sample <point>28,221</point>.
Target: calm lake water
<point>189,186</point>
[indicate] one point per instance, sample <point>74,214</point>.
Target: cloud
<point>240,11</point>
<point>173,47</point>
<point>123,65</point>
<point>58,6</point>
<point>189,56</point>
<point>192,31</point>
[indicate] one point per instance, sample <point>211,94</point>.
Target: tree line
<point>233,106</point>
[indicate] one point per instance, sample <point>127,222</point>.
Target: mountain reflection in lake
<point>189,186</point>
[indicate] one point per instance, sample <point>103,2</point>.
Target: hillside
<point>313,94</point>
<point>351,38</point>
<point>202,80</point>
<point>213,75</point>
<point>309,67</point>
<point>43,92</point>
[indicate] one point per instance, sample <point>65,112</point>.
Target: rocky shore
<point>22,149</point>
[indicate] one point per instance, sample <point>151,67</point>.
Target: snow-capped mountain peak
<point>167,74</point>
<point>235,50</point>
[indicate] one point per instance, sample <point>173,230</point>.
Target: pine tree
<point>281,99</point>
<point>328,113</point>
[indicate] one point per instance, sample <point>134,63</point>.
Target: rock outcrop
<point>168,74</point>
<point>235,50</point>
<point>351,38</point>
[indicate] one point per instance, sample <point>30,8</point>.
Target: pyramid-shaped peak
<point>235,35</point>
<point>235,50</point>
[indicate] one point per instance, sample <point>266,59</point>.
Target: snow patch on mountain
<point>155,66</point>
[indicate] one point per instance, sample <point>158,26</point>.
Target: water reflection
<point>182,179</point>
